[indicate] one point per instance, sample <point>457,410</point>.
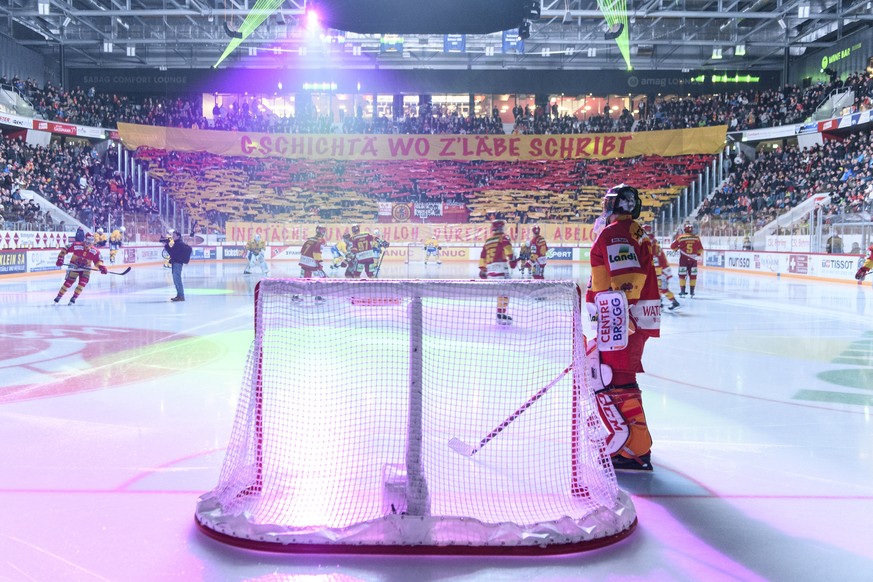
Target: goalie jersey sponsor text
<point>622,256</point>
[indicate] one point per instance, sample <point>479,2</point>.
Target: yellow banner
<point>556,234</point>
<point>702,140</point>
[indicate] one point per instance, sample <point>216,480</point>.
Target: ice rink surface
<point>115,413</point>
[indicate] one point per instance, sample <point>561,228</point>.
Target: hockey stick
<point>379,265</point>
<point>124,272</point>
<point>463,448</point>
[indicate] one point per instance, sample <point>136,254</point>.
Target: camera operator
<point>180,254</point>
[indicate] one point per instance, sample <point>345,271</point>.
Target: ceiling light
<point>782,24</point>
<point>131,51</point>
<point>107,47</point>
<point>43,8</point>
<point>592,52</point>
<point>716,53</point>
<point>803,11</point>
<point>740,50</point>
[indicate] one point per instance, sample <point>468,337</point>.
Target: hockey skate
<point>673,306</point>
<point>72,301</point>
<point>504,319</point>
<point>57,299</point>
<point>682,293</point>
<point>620,463</point>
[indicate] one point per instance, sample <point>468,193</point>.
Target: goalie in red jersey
<point>690,250</point>
<point>622,260</point>
<point>495,261</point>
<point>82,255</point>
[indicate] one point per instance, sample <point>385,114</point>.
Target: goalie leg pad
<point>621,409</point>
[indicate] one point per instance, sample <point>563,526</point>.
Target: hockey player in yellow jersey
<point>115,242</point>
<point>100,238</point>
<point>255,249</point>
<point>432,248</point>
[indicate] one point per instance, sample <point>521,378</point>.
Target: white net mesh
<point>354,391</point>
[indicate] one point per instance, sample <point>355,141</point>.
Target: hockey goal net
<point>396,416</point>
<point>416,253</point>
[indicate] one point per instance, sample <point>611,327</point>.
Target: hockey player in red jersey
<point>310,258</point>
<point>622,260</point>
<point>690,250</point>
<point>538,251</point>
<point>866,266</point>
<point>310,255</point>
<point>495,261</point>
<point>82,254</point>
<point>364,247</point>
<point>662,269</point>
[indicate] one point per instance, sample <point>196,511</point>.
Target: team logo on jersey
<point>622,256</point>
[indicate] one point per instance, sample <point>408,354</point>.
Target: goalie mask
<point>622,199</point>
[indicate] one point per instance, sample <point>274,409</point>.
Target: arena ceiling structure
<point>744,35</point>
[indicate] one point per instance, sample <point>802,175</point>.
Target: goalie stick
<point>124,272</point>
<point>463,448</point>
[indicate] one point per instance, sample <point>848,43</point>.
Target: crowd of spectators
<point>87,186</point>
<point>75,178</point>
<point>740,110</point>
<point>759,190</point>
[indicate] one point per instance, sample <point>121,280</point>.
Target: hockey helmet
<point>377,232</point>
<point>89,238</point>
<point>320,231</point>
<point>536,231</point>
<point>347,237</point>
<point>622,199</point>
<point>498,226</point>
<point>99,231</point>
<point>122,229</point>
<point>356,229</point>
<point>257,237</point>
<point>688,228</point>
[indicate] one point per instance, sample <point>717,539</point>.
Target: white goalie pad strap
<point>617,427</point>
<point>612,320</point>
<point>308,262</point>
<point>599,373</point>
<point>364,255</point>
